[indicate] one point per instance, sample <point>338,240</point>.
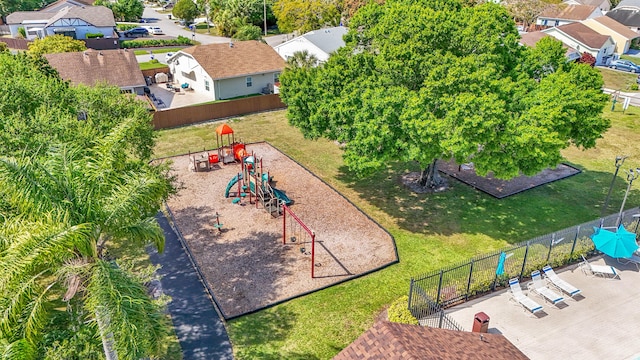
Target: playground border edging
<point>210,292</point>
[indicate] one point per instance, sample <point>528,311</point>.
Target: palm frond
<point>126,311</point>
<point>19,350</point>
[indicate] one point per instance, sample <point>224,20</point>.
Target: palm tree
<point>59,216</point>
<point>302,59</point>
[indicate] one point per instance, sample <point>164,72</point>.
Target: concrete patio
<point>603,323</point>
<point>172,99</point>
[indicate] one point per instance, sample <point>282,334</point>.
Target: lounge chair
<point>559,283</point>
<point>634,259</point>
<point>539,287</point>
<point>521,298</point>
<point>605,271</point>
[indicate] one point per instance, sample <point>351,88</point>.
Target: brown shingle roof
<point>68,2</point>
<point>531,39</point>
<point>386,340</point>
<point>617,27</point>
<point>100,16</point>
<point>116,67</point>
<point>568,12</point>
<point>223,61</point>
<point>584,34</point>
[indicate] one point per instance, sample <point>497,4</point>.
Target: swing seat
<point>235,200</point>
<point>243,194</point>
<point>218,226</point>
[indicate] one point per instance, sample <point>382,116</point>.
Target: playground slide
<point>231,183</point>
<point>280,195</point>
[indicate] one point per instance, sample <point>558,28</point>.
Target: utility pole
<point>619,162</point>
<point>264,5</point>
<point>631,175</point>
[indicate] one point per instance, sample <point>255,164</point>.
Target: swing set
<point>300,234</point>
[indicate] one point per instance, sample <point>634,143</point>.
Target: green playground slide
<point>231,183</point>
<point>280,195</point>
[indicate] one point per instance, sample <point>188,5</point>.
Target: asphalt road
<point>172,29</point>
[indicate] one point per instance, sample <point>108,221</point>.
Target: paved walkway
<point>200,330</point>
<point>601,324</point>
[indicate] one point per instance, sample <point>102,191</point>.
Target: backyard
<point>430,230</point>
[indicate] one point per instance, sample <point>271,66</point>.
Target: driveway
<point>172,29</point>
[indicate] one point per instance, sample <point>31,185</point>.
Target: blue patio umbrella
<point>500,268</point>
<point>619,244</point>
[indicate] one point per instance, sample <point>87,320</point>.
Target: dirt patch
<point>247,265</point>
<point>502,188</point>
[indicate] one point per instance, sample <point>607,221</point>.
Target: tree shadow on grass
<point>253,333</point>
<point>462,209</point>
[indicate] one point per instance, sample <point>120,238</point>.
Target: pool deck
<point>603,323</point>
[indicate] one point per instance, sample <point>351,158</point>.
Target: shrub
<point>399,312</point>
<point>94,35</point>
<point>125,27</point>
<point>634,86</point>
<point>22,32</point>
<point>154,61</point>
<point>181,40</point>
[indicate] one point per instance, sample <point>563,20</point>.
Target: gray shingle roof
<point>99,16</point>
<point>327,40</point>
<point>19,16</point>
<point>629,4</point>
<point>625,17</point>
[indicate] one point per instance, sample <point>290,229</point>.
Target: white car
<point>154,30</point>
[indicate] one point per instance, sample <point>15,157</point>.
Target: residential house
<point>319,43</point>
<point>563,14</point>
<point>620,34</point>
<point>628,14</point>
<point>72,21</point>
<point>61,4</point>
<point>387,340</point>
<point>531,39</point>
<point>228,70</point>
<point>584,39</point>
<point>603,5</point>
<point>90,67</point>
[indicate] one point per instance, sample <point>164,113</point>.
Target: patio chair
<point>518,296</point>
<point>604,271</point>
<point>634,259</point>
<point>559,283</point>
<point>539,287</point>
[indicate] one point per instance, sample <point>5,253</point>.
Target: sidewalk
<point>200,330</point>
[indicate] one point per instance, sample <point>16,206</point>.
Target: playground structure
<point>226,152</point>
<point>255,183</point>
<point>300,234</point>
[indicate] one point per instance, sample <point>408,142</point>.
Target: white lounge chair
<point>521,298</point>
<point>559,283</point>
<point>634,259</point>
<point>605,271</point>
<point>540,288</point>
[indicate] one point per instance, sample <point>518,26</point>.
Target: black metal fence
<point>430,293</point>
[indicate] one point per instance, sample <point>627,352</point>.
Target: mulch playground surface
<point>246,265</point>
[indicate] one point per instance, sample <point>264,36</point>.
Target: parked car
<point>136,32</point>
<point>154,30</point>
<point>168,6</point>
<point>625,65</point>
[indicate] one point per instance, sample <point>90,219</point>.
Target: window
<point>544,22</point>
<point>206,85</point>
<point>276,77</point>
<point>557,22</point>
<point>249,81</point>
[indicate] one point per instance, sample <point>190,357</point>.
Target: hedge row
<point>131,44</point>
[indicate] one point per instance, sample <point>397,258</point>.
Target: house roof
<point>89,67</point>
<point>625,17</point>
<point>228,60</point>
<point>615,26</point>
<point>584,35</point>
<point>531,39</point>
<point>568,12</point>
<point>58,3</point>
<point>594,3</point>
<point>387,340</point>
<point>629,4</point>
<point>94,15</point>
<point>327,40</point>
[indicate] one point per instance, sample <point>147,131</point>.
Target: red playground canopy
<point>224,129</point>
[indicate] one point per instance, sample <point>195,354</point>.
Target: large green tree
<point>124,10</point>
<point>423,80</point>
<point>55,44</point>
<point>232,16</point>
<point>70,191</point>
<point>9,6</point>
<point>186,10</point>
<point>306,15</point>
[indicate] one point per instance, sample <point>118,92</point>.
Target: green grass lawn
<point>158,50</point>
<point>149,65</point>
<point>431,230</point>
<point>618,80</point>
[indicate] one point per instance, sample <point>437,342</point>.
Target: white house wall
<point>287,49</point>
<point>188,65</point>
<point>234,87</point>
<point>602,55</point>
